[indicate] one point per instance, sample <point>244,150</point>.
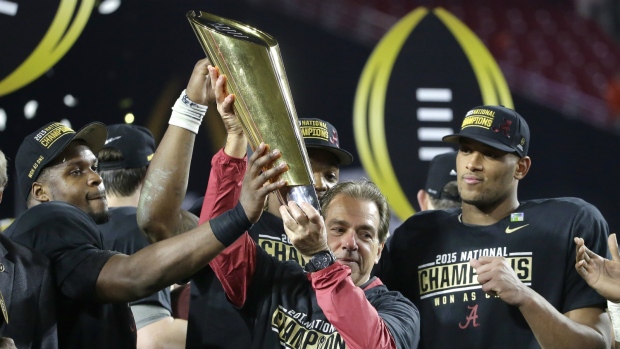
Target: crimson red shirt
<point>291,308</point>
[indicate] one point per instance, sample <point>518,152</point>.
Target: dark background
<point>140,57</point>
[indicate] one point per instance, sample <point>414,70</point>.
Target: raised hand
<point>305,228</point>
<point>224,101</point>
<point>257,182</point>
<point>499,279</point>
<point>600,273</point>
<point>199,88</point>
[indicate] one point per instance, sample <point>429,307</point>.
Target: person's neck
<point>120,201</point>
<point>488,215</point>
<point>363,281</point>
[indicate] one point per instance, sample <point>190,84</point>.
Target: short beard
<point>482,203</point>
<point>100,217</point>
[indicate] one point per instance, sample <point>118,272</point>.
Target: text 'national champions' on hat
<point>42,146</point>
<point>320,134</point>
<point>496,126</point>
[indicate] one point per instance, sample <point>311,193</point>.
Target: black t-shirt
<point>286,311</point>
<point>122,234</point>
<point>27,287</point>
<point>427,260</point>
<point>213,321</point>
<point>73,243</point>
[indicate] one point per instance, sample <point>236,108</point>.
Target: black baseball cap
<point>496,126</point>
<point>136,143</point>
<point>441,171</point>
<point>320,134</point>
<point>42,146</point>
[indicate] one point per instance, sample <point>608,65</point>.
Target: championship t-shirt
<point>293,309</point>
<point>427,260</point>
<point>213,321</point>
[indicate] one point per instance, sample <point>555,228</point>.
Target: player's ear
<point>423,199</point>
<point>379,250</point>
<point>39,192</point>
<point>523,167</point>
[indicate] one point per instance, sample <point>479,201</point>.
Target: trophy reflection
<point>251,61</point>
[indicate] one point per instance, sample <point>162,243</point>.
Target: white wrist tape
<point>614,314</point>
<point>187,114</point>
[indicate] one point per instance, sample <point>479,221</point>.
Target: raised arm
<point>159,212</point>
<point>228,165</point>
<point>235,266</point>
<point>126,278</point>
<point>236,143</point>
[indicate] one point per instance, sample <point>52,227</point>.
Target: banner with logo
<point>421,78</point>
<point>35,36</point>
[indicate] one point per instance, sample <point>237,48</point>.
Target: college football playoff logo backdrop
<point>418,83</point>
<point>41,33</point>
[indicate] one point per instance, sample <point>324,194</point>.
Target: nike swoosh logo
<point>508,230</point>
<point>112,139</point>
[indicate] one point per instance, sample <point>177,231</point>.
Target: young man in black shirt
<point>499,273</point>
<point>57,175</point>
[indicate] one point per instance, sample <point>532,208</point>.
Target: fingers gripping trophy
<point>252,63</point>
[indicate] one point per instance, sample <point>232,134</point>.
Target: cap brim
<point>94,134</point>
<point>344,157</point>
<point>490,142</point>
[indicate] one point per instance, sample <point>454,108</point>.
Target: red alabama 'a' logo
<point>472,318</point>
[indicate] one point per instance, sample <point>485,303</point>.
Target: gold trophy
<point>251,61</point>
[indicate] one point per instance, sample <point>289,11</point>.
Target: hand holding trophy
<point>252,63</point>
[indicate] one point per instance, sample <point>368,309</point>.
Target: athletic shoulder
<point>563,204</point>
<point>49,214</point>
<point>57,211</point>
<point>430,218</point>
<point>16,250</point>
<point>570,214</point>
<point>53,224</point>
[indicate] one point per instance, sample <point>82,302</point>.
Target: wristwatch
<point>319,261</point>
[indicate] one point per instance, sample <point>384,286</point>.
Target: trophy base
<point>300,193</point>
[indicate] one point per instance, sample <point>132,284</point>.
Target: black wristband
<point>230,225</point>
